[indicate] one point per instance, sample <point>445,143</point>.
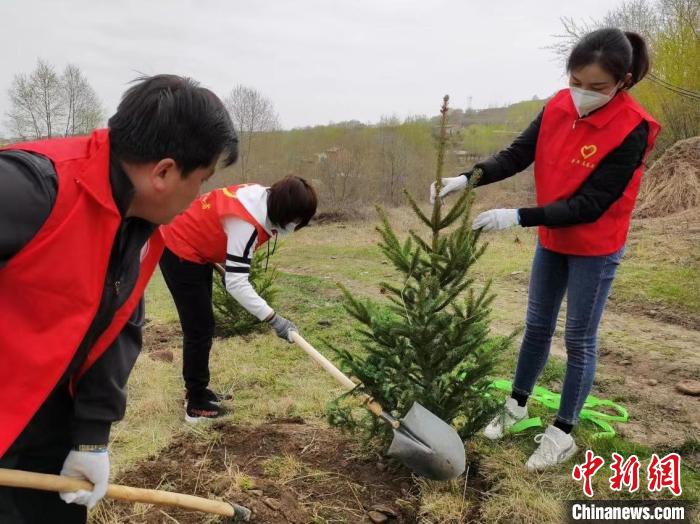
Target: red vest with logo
<point>198,234</point>
<point>51,289</point>
<point>568,150</point>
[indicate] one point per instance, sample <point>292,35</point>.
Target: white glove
<point>89,465</point>
<point>495,219</point>
<point>449,185</point>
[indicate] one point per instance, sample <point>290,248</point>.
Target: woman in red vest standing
<point>225,225</point>
<point>588,145</point>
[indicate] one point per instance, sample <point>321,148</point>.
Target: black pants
<point>42,447</point>
<point>190,285</point>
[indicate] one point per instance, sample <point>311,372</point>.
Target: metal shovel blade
<point>428,445</point>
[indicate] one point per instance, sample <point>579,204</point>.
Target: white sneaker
<point>556,447</point>
<point>511,414</point>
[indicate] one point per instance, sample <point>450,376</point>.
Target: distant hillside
<point>518,115</point>
<point>354,164</point>
<point>514,116</point>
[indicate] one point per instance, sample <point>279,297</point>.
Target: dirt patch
<point>645,381</point>
<point>285,472</point>
<point>659,312</point>
<point>161,337</point>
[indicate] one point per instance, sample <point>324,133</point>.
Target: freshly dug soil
<point>329,480</point>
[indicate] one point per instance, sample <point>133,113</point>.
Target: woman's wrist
<point>531,216</point>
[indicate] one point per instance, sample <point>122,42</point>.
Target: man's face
<point>164,193</point>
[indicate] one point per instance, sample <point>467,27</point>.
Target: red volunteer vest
<point>568,150</point>
<point>50,290</point>
<point>198,235</point>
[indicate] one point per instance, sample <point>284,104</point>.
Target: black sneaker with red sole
<point>211,396</point>
<point>199,410</point>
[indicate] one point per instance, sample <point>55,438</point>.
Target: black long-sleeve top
<point>28,189</point>
<point>596,194</point>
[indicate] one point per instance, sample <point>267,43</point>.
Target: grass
<point>283,467</point>
<point>155,405</point>
<point>160,307</point>
<point>661,268</point>
<point>667,285</point>
<point>444,502</point>
<point>272,379</point>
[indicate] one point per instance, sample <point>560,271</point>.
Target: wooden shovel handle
<point>374,407</point>
<point>326,364</point>
<point>322,361</point>
<point>26,479</point>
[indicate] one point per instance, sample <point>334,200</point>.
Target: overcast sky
<point>318,61</point>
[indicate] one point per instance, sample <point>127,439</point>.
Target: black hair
<point>617,52</point>
<point>170,116</point>
<point>290,199</point>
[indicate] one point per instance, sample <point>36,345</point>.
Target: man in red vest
<point>78,243</point>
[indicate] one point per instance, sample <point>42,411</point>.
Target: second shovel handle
<point>45,482</point>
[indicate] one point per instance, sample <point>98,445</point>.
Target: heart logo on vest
<point>228,193</point>
<point>588,151</point>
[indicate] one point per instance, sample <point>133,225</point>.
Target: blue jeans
<point>586,281</point>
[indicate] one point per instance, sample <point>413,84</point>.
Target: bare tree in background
<point>649,18</point>
<point>45,105</point>
<point>83,108</point>
<point>36,102</point>
<point>251,112</point>
<point>343,173</point>
<point>49,97</point>
<point>24,119</point>
<point>631,15</point>
<point>393,160</point>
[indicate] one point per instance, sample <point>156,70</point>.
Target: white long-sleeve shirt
<point>242,238</point>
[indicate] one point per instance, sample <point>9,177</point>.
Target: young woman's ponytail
<point>640,57</point>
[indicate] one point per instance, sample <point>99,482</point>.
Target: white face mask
<point>587,101</point>
<point>286,230</point>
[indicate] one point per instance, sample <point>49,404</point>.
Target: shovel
<point>15,478</point>
<point>423,442</point>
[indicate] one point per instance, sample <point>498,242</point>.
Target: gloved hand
<point>449,185</point>
<point>495,219</point>
<point>89,465</point>
<point>283,327</point>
